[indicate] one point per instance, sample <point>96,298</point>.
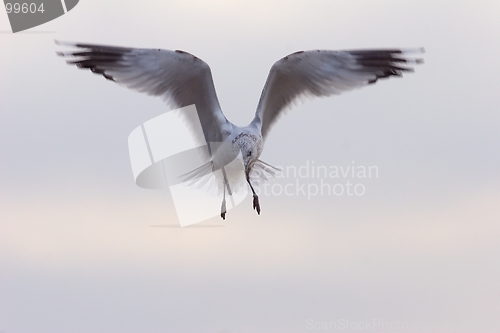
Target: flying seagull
<point>182,79</point>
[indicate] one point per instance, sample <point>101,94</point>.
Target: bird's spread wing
<point>179,78</point>
<point>324,73</point>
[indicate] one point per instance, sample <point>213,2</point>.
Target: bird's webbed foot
<point>223,210</point>
<point>256,204</point>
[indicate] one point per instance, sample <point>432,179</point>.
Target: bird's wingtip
<point>413,51</point>
<point>61,43</point>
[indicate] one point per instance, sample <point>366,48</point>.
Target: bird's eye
<point>249,153</point>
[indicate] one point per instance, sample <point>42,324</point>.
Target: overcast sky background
<point>83,249</point>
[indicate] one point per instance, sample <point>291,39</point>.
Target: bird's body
<point>182,79</point>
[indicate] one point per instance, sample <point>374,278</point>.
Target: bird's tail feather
<point>262,172</point>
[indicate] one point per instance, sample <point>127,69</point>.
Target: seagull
<point>182,79</point>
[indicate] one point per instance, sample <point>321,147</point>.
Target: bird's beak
<point>247,171</point>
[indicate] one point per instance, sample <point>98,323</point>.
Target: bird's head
<point>250,147</point>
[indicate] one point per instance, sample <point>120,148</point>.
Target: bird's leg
<point>223,206</point>
<point>256,204</point>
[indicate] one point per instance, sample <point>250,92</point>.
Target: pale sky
<point>84,249</point>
